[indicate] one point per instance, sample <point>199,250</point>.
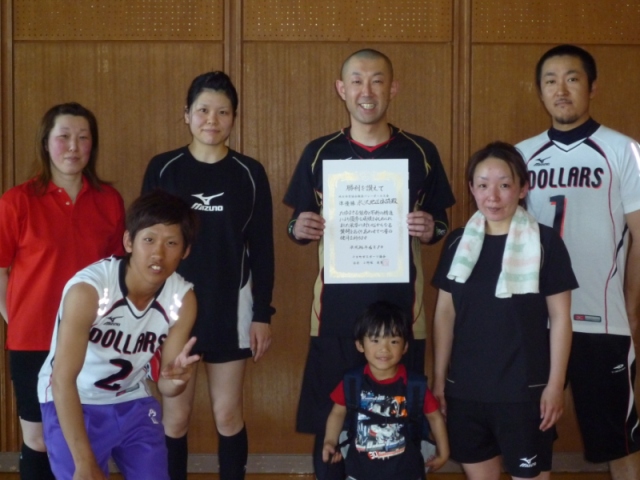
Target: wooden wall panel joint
<point>9,430</point>
<point>460,104</point>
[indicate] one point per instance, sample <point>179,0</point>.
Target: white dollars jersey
<point>583,186</point>
<point>122,339</point>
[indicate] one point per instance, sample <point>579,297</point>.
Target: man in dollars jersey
<point>585,182</point>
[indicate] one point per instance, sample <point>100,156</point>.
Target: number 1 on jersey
<point>560,201</point>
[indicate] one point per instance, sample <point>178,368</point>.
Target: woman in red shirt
<point>53,225</point>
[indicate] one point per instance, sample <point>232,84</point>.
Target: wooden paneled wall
<point>466,77</point>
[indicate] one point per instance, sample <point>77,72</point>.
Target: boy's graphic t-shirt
<point>380,440</point>
<point>382,450</point>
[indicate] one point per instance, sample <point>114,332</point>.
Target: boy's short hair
<point>383,319</point>
<point>157,207</point>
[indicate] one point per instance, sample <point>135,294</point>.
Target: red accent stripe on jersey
<point>368,148</point>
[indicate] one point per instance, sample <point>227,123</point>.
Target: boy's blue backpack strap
<point>352,383</point>
<point>416,391</point>
<point>353,379</point>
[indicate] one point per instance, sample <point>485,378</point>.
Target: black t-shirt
<point>336,306</point>
<point>231,263</point>
<point>378,450</point>
<point>501,345</point>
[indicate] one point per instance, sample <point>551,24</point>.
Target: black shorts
<point>327,361</point>
<point>602,372</point>
<point>25,367</point>
<point>224,356</point>
<point>480,431</point>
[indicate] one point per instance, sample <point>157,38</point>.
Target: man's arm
<point>4,281</point>
<point>80,305</point>
<point>306,227</point>
<point>177,363</point>
<point>632,275</point>
<point>560,330</point>
<point>428,227</point>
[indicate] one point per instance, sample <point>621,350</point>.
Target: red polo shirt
<point>46,239</point>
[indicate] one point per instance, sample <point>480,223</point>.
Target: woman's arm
<point>261,258</point>
<point>443,322</point>
<point>80,305</point>
<point>552,400</point>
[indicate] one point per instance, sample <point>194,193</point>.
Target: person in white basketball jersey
<point>585,182</point>
<point>114,317</point>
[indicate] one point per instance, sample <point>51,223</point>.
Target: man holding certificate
<point>361,230</point>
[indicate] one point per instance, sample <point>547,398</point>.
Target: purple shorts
<point>130,432</point>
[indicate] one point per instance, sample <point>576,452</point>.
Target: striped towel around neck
<point>521,260</point>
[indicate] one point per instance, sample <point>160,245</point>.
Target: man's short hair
<point>369,54</point>
<point>588,62</point>
<point>162,207</point>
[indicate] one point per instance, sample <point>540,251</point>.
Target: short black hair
<point>218,82</point>
<point>158,206</point>
<point>588,62</point>
<point>382,318</point>
<point>368,54</point>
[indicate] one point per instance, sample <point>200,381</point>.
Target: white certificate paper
<point>365,206</point>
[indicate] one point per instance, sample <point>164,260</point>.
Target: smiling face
<point>496,193</point>
<point>367,87</point>
<point>565,91</point>
<point>383,353</point>
<point>210,118</point>
<point>69,146</point>
<point>155,253</point>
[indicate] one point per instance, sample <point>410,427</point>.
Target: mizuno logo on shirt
<point>206,206</point>
<point>112,321</point>
<point>539,162</point>
<point>619,368</point>
<point>206,200</point>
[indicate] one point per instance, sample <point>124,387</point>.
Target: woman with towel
<point>502,328</point>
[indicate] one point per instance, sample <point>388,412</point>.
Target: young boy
<point>113,317</point>
<point>383,451</point>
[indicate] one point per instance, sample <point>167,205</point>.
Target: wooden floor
<point>433,476</point>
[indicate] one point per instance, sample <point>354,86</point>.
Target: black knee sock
<point>325,471</point>
<point>232,455</point>
<point>178,451</point>
<point>34,465</point>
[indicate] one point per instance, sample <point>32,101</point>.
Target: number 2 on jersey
<point>108,383</point>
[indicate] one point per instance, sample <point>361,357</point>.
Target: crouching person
<point>113,318</point>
